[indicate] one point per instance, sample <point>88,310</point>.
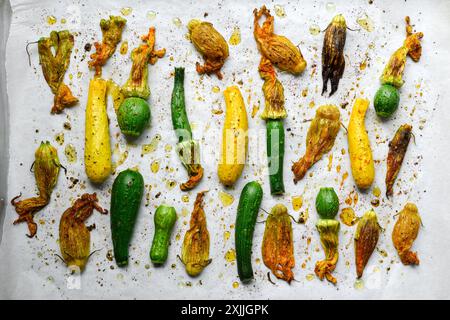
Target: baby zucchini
<point>275,154</point>
<point>234,138</point>
<point>361,159</point>
<point>126,197</point>
<point>247,213</point>
<point>97,152</point>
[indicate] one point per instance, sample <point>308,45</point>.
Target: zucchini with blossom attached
<point>187,148</point>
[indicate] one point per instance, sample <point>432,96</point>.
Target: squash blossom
<point>366,238</point>
<point>393,72</point>
<point>137,83</point>
<point>397,149</point>
<point>195,250</point>
<point>46,170</point>
<point>210,44</point>
<point>405,232</point>
<point>74,235</point>
<point>278,245</point>
<point>112,34</point>
<point>273,92</point>
<point>333,62</point>
<point>320,139</point>
<point>329,238</point>
<point>54,67</point>
<point>189,153</point>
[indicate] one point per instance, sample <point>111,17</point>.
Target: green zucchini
<point>275,155</point>
<point>247,213</point>
<point>165,218</point>
<point>327,203</point>
<point>133,116</point>
<point>126,195</point>
<point>180,120</point>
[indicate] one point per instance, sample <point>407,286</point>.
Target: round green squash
<point>133,116</point>
<point>327,203</point>
<point>386,100</point>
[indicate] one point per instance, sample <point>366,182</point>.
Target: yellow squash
<point>97,151</point>
<point>361,159</point>
<point>234,137</point>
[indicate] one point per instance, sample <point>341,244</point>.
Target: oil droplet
<point>122,157</point>
<point>304,92</point>
<point>168,147</point>
<point>71,153</point>
<point>226,198</point>
<point>303,216</point>
<point>63,21</point>
<point>170,184</point>
<point>148,148</point>
<point>255,110</point>
<point>376,192</point>
<point>109,255</point>
<point>185,198</point>
<point>359,284</point>
<point>124,48</point>
<point>230,256</point>
<point>279,11</point>
<point>235,38</point>
<point>178,237</point>
<point>177,22</point>
<point>312,104</point>
<point>60,138</point>
<point>363,65</point>
<point>70,76</point>
<point>215,89</point>
<point>258,260</point>
<point>365,22</point>
<point>348,217</point>
<point>51,20</point>
<point>235,284</point>
<point>310,276</point>
<point>126,11</point>
<point>330,161</point>
<point>217,111</point>
<point>331,7</point>
<point>154,166</point>
<point>151,15</point>
<point>383,253</point>
<point>297,202</point>
<point>226,235</point>
<point>314,29</point>
<point>344,177</point>
<point>79,74</point>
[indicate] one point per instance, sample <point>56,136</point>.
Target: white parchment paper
<point>29,267</point>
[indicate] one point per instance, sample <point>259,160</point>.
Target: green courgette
<point>275,155</point>
<point>165,218</point>
<point>133,116</point>
<point>247,212</point>
<point>180,120</point>
<point>386,100</point>
<point>187,148</point>
<point>327,203</point>
<point>126,195</point>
